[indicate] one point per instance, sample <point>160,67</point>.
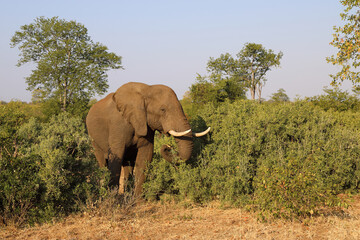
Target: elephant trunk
<point>185,147</point>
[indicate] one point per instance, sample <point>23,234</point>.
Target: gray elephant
<point>122,127</point>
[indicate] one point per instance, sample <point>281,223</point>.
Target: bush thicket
<point>335,99</point>
<point>284,159</point>
<point>287,159</point>
<point>53,173</point>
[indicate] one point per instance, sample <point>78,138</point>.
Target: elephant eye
<point>163,109</point>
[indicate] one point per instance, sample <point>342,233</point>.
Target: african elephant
<point>122,127</point>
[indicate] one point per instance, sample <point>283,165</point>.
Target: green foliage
<point>70,66</point>
<point>226,74</point>
<point>255,62</point>
<point>165,178</point>
<point>54,172</point>
<point>291,189</point>
<point>346,39</point>
<point>20,188</point>
<point>230,77</point>
<point>288,160</point>
<point>12,116</point>
<point>51,107</point>
<point>337,100</point>
<point>202,92</point>
<point>215,90</point>
<point>279,96</point>
<point>68,167</point>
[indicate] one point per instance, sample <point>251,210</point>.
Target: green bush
<point>336,100</point>
<point>51,107</point>
<point>263,154</point>
<point>291,189</point>
<point>286,160</point>
<point>69,169</point>
<point>12,116</point>
<point>20,188</point>
<point>54,172</point>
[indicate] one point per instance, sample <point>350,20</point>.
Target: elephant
<point>122,127</point>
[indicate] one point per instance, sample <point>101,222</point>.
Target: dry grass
<point>170,221</point>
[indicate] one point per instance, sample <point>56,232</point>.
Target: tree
<point>203,91</point>
<point>229,77</point>
<point>222,83</point>
<point>280,96</point>
<point>255,61</point>
<point>346,40</point>
<point>70,66</point>
<point>226,74</point>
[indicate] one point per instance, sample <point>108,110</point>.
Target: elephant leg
<point>124,178</point>
<point>114,165</point>
<point>144,157</point>
<point>100,155</point>
<point>127,168</point>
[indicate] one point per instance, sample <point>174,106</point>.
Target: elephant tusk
<point>201,133</point>
<point>179,134</point>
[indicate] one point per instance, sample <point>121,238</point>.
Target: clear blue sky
<point>169,42</point>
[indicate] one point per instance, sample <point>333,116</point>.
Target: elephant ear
<point>132,105</point>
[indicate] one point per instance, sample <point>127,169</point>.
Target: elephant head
<point>156,107</point>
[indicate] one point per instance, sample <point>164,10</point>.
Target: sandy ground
<point>170,221</point>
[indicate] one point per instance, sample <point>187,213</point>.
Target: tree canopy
<point>69,65</point>
<point>346,40</point>
<point>280,96</point>
<point>229,77</point>
<point>216,89</point>
<point>255,61</point>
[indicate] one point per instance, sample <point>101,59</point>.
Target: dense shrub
<point>286,159</point>
<point>52,106</point>
<point>336,100</point>
<point>12,116</point>
<point>20,188</point>
<point>54,173</point>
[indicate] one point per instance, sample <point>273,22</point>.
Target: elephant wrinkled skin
<point>122,127</point>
